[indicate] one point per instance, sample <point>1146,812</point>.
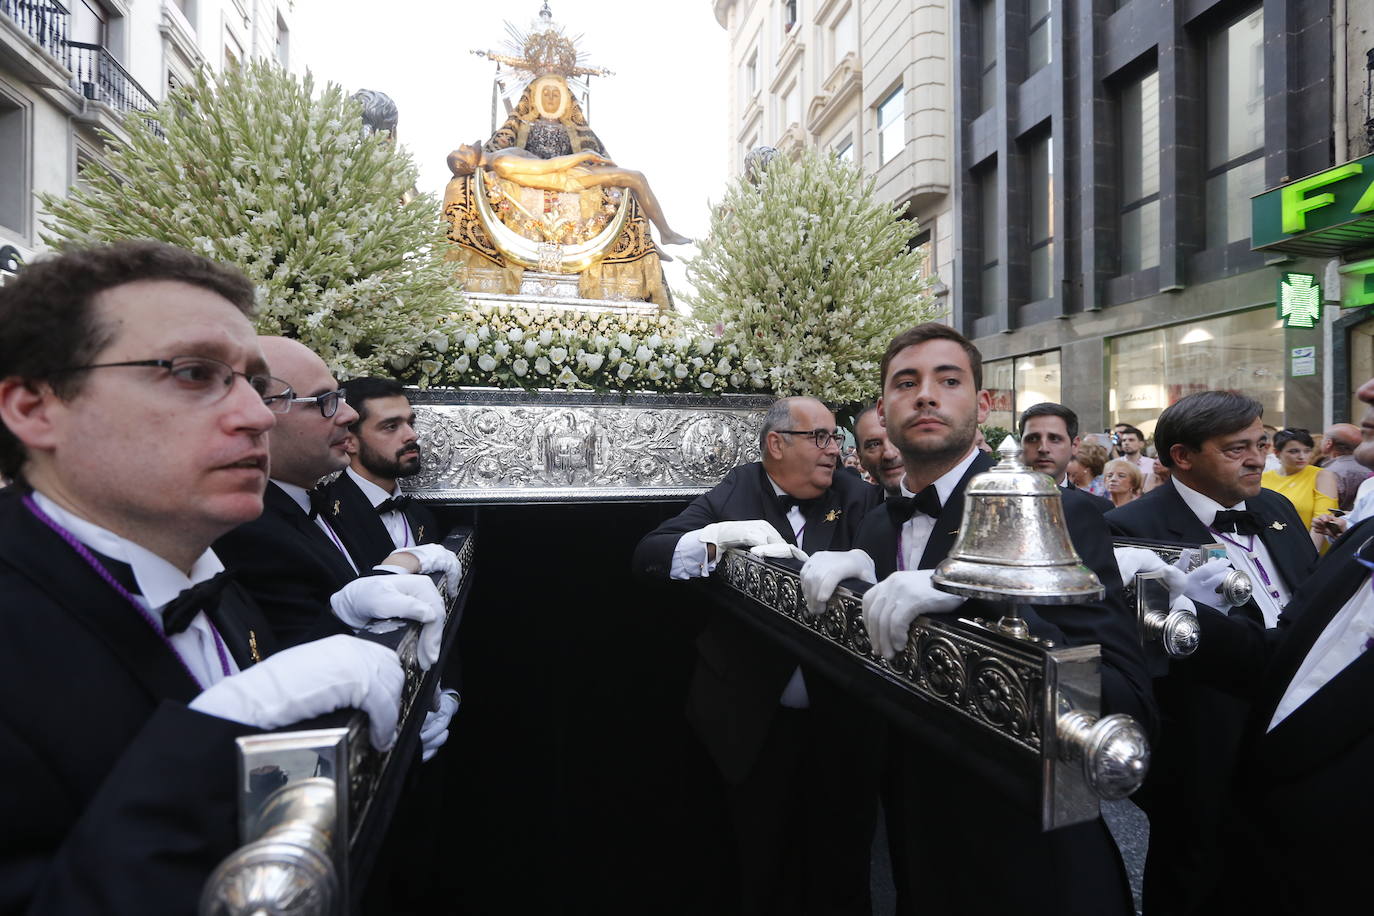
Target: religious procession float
<point>568,403</point>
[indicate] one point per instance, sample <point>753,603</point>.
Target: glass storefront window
<point>1153,369</point>
<point>1019,382</point>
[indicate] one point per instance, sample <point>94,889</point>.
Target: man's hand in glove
<point>432,558</point>
<point>309,680</point>
<point>382,597</point>
<point>826,569</point>
<point>434,731</point>
<point>892,604</point>
<point>720,535</point>
<point>1202,584</point>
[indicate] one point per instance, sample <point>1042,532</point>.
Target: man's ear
<point>773,443</point>
<point>882,417</point>
<point>984,405</point>
<point>1182,457</point>
<point>30,411</point>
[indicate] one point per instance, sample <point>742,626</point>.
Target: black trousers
<point>804,817</point>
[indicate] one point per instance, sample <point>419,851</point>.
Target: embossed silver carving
<point>549,448</point>
<point>1041,701</point>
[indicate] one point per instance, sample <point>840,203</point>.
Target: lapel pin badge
<point>832,515</point>
<point>1278,526</point>
<point>336,507</point>
<point>420,535</point>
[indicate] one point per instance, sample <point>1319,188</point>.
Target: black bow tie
<point>395,503</point>
<point>1237,521</point>
<point>786,501</point>
<point>319,503</point>
<point>902,508</point>
<point>203,596</point>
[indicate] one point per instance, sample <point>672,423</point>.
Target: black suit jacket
<point>938,812</point>
<point>358,525</point>
<point>1100,503</point>
<point>740,675</point>
<point>116,798</point>
<point>290,567</point>
<point>1162,515</point>
<point>1301,810</point>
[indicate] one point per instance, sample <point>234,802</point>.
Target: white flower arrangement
<point>504,346</point>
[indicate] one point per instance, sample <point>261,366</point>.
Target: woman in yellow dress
<point>1311,490</point>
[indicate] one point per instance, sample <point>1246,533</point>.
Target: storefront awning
<point>1328,214</point>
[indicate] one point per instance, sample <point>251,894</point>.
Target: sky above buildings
<point>664,112</point>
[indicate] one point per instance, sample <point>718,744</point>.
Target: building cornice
<point>845,82</point>
<point>178,33</point>
<point>791,52</point>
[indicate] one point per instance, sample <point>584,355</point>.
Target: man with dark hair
<point>373,517</point>
<point>1213,442</point>
<point>1049,439</point>
<point>136,405</point>
<point>937,812</point>
<point>1338,448</point>
<point>876,453</point>
<point>798,757</point>
<point>1300,801</point>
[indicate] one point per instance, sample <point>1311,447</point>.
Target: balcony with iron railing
<point>101,78</point>
<point>45,21</point>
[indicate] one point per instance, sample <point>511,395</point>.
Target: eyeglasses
<point>822,437</point>
<point>207,381</point>
<point>328,403</point>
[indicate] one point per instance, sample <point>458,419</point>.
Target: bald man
<point>1338,449</point>
<point>292,559</point>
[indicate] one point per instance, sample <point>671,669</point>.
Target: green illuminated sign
<point>1357,284</point>
<point>1300,300</point>
<point>1320,215</point>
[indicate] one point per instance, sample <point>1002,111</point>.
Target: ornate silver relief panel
<point>484,446</point>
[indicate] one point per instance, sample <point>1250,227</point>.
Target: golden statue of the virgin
<point>542,194</point>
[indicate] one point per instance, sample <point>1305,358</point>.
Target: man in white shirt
<point>368,509</point>
<point>1300,808</point>
<point>937,813</point>
<point>136,404</point>
<point>1214,443</point>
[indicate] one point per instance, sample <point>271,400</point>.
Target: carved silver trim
<point>555,448</point>
<point>1017,690</point>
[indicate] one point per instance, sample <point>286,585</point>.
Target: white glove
<point>409,597</point>
<point>825,570</point>
<point>437,558</point>
<point>314,678</point>
<point>892,604</point>
<point>779,551</point>
<point>1202,584</point>
<point>750,533</point>
<point>434,731</point>
<point>1133,560</point>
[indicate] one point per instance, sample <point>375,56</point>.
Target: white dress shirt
<point>1344,640</point>
<point>915,534</point>
<point>1364,503</point>
<point>158,583</point>
<point>1255,561</point>
<point>395,521</point>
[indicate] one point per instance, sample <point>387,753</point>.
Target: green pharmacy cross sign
<point>1322,215</point>
<point>1299,300</point>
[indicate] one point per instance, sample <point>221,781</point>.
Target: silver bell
<point>1013,544</point>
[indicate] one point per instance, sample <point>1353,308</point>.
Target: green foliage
<point>808,274</point>
<point>257,172</point>
<point>994,434</point>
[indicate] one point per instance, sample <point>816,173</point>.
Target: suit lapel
<point>951,516</point>
<point>1340,709</point>
<point>357,523</point>
<point>45,559</point>
<point>821,522</point>
<point>1183,524</point>
<point>1288,546</point>
<point>769,508</point>
<point>315,540</point>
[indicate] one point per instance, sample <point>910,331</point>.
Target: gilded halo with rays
<point>543,50</point>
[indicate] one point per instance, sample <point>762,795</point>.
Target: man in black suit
<point>1293,841</point>
<point>1214,444</point>
<point>957,846</point>
<point>1049,438</point>
<point>798,757</point>
<point>135,408</point>
<point>877,454</point>
<point>373,516</point>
